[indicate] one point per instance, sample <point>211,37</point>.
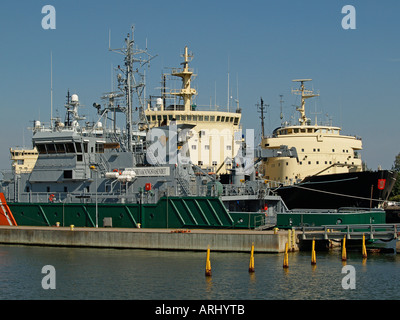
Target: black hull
<point>340,190</point>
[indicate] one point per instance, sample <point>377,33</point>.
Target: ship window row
<point>207,147</point>
<point>317,162</point>
<point>307,130</point>
<point>60,148</point>
<point>178,117</point>
<point>23,153</point>
<point>319,150</point>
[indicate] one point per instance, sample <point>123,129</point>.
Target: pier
<point>153,239</point>
<point>357,232</point>
<point>224,240</point>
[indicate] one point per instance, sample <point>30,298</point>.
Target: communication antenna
<point>281,104</point>
<point>305,94</point>
<point>128,83</point>
<point>228,83</point>
<point>237,94</point>
<point>51,89</point>
<point>260,108</point>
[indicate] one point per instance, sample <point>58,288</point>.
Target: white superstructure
<point>320,149</point>
<point>216,136</point>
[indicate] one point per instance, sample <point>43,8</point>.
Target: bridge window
<point>99,148</point>
<point>78,147</point>
<point>50,148</point>
<point>41,148</point>
<point>60,148</point>
<point>70,147</point>
<point>67,174</point>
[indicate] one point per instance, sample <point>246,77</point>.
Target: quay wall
<point>156,239</point>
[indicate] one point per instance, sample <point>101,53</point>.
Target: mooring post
<point>344,254</point>
<point>208,263</point>
<point>364,248</point>
<point>313,254</point>
<point>251,265</point>
<point>286,257</point>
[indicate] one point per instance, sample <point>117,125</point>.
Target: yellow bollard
<point>364,248</point>
<point>293,239</point>
<point>251,265</point>
<point>286,257</point>
<point>344,255</point>
<point>313,254</point>
<point>276,230</point>
<point>72,227</point>
<point>208,263</point>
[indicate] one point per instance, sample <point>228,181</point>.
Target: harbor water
<point>85,273</point>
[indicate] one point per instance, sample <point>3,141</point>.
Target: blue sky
<point>265,44</point>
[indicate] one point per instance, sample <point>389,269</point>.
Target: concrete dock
<point>156,239</point>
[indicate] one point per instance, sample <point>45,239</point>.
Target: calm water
<point>83,273</point>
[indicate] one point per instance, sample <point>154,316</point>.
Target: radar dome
<point>74,98</point>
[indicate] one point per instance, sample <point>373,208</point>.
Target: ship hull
<point>171,212</point>
<point>358,189</point>
<point>178,213</point>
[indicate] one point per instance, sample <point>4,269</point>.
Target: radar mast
<point>305,94</point>
<point>128,83</point>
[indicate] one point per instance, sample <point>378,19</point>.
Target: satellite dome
<point>74,98</point>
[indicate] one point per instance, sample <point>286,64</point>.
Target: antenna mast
<point>237,95</point>
<point>261,108</point>
<point>281,104</point>
<point>51,89</point>
<point>305,94</point>
<point>128,84</point>
<point>228,83</point>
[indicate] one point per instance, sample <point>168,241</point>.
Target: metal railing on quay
<point>352,231</point>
